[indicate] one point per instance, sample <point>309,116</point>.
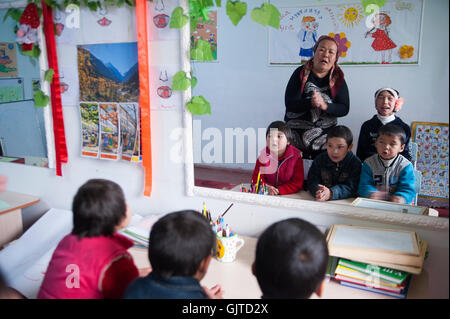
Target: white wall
<point>245,92</point>
<point>168,177</point>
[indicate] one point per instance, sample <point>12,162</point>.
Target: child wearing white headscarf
<point>387,103</point>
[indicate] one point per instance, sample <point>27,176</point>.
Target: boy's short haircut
<point>98,207</point>
<point>393,130</point>
<point>342,132</point>
<point>179,242</point>
<point>291,259</point>
<point>282,127</point>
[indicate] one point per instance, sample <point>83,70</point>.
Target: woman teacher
<point>315,97</point>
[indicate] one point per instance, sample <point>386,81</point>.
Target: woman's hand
<point>317,101</point>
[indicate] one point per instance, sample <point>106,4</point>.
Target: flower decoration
<point>406,51</point>
<point>27,29</point>
<point>398,104</point>
<point>344,44</point>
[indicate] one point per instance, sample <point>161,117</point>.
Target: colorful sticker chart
<point>432,161</point>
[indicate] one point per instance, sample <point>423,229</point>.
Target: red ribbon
<point>144,96</point>
<point>55,88</point>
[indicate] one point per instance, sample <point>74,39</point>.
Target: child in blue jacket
<point>388,175</point>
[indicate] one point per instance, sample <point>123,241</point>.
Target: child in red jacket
<point>280,164</point>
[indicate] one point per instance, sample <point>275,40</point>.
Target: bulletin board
<point>390,35</point>
<point>432,162</point>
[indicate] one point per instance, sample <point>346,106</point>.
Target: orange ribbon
<point>144,97</point>
<point>55,89</point>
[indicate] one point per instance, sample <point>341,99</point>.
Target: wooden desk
<point>238,282</point>
<point>11,216</point>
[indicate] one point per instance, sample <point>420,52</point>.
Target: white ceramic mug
<point>227,247</point>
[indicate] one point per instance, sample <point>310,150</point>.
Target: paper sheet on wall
<point>162,97</point>
<point>108,25</point>
<point>67,26</point>
<point>390,35</point>
<point>159,12</point>
<point>109,130</point>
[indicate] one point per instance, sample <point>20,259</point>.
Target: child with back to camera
<point>387,103</point>
<point>388,175</point>
<point>334,174</point>
<point>180,248</point>
<point>280,164</point>
<point>291,260</point>
<point>92,262</point>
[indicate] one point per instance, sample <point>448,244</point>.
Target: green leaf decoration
<point>193,82</point>
<point>49,75</point>
<point>202,51</point>
<point>219,3</point>
<point>40,99</point>
<point>14,13</point>
<point>178,19</point>
<point>180,81</point>
<point>268,14</point>
<point>34,52</point>
<point>371,5</point>
<point>199,106</point>
<point>236,10</point>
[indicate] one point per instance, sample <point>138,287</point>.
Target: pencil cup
<point>227,247</point>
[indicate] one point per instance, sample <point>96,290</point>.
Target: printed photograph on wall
<point>109,131</point>
<point>89,129</point>
<point>128,129</point>
<point>8,59</point>
<point>389,35</point>
<point>108,72</point>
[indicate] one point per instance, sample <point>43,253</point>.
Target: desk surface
<point>16,201</point>
<point>238,282</point>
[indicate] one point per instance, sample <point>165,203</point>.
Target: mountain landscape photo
<point>99,76</point>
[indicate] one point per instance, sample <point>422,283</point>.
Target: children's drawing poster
<point>206,30</point>
<point>89,129</point>
<point>8,59</point>
<point>390,35</point>
<point>109,130</point>
<point>11,90</point>
<point>432,162</point>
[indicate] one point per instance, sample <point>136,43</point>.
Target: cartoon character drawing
<point>307,36</point>
<point>380,32</point>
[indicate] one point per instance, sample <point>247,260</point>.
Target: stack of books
<point>382,280</point>
<point>375,259</point>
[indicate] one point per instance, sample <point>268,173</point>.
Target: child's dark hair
<point>98,207</point>
<point>282,127</point>
<point>393,130</point>
<point>179,242</point>
<point>342,132</point>
<point>291,259</point>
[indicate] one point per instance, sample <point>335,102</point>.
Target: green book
<point>393,275</point>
